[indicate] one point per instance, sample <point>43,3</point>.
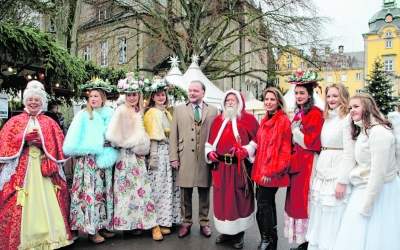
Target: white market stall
<point>213,94</point>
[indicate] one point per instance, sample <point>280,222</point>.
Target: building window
<point>102,14</point>
<point>87,53</point>
<point>388,64</point>
<point>103,53</point>
<point>276,66</point>
<point>343,77</point>
<point>289,61</point>
<point>303,65</point>
<point>358,76</point>
<point>388,43</point>
<point>122,46</point>
<point>277,81</point>
<point>52,26</point>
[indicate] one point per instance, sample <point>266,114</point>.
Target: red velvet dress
<point>233,206</point>
<point>301,164</point>
<point>12,147</point>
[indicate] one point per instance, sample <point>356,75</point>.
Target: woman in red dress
<point>306,130</point>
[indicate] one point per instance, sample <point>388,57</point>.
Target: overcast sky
<point>348,21</point>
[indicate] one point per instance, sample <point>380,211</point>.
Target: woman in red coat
<point>306,130</point>
<point>271,164</point>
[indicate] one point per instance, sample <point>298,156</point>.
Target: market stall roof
<point>213,94</point>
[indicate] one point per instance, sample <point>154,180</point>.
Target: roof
<point>378,20</point>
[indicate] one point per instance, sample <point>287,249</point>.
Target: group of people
<point>135,169</point>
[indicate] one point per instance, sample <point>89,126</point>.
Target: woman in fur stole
<point>91,192</point>
<point>165,192</point>
<point>134,208</point>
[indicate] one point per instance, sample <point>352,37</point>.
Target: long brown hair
<point>370,111</point>
<point>343,99</point>
<point>152,103</point>
<point>278,96</point>
<point>89,108</point>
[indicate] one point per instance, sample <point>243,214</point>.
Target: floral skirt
<point>295,229</point>
<point>91,196</point>
<point>166,193</point>
<point>133,203</point>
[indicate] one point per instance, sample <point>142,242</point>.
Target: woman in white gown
<point>327,208</point>
<point>371,219</point>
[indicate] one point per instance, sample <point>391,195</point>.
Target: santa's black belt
<point>228,159</point>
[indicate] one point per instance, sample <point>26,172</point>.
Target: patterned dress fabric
<point>91,196</point>
<point>166,193</point>
<point>134,207</point>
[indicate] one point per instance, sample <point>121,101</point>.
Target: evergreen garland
<point>380,88</point>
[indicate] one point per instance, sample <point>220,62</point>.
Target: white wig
<point>35,88</point>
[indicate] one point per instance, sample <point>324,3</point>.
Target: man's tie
<point>197,117</point>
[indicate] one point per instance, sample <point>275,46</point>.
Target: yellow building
<point>334,67</point>
<point>383,41</point>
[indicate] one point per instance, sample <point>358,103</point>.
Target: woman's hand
<point>340,191</point>
<point>266,179</point>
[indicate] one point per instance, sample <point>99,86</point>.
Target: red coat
<point>301,164</point>
<point>273,151</point>
<point>11,138</point>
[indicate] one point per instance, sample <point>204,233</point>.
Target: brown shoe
<point>205,231</point>
<point>106,234</point>
<point>184,230</point>
<point>96,239</point>
<point>156,233</point>
<point>165,230</point>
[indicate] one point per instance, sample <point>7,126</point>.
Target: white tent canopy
<point>255,106</point>
<point>291,100</point>
<point>174,75</point>
<point>213,94</point>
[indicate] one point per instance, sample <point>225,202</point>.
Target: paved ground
<point>194,241</point>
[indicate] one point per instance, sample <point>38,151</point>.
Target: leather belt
<point>228,159</point>
<point>329,148</point>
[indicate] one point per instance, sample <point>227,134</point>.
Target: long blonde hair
<point>343,100</point>
<point>89,108</point>
<point>369,110</point>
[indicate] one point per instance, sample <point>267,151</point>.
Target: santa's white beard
<point>231,112</point>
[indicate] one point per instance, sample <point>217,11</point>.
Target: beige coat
<point>193,170</point>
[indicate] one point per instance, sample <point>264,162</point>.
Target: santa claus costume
<point>306,130</point>
<point>232,189</point>
<point>34,200</point>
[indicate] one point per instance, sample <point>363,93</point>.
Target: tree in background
<point>380,88</point>
<point>226,33</point>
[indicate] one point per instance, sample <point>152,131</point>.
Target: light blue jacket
<point>86,137</point>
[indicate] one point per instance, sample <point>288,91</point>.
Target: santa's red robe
<point>301,164</point>
<point>233,201</point>
<point>12,147</point>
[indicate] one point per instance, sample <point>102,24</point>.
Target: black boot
<point>266,220</point>
<point>302,246</point>
<point>238,241</point>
